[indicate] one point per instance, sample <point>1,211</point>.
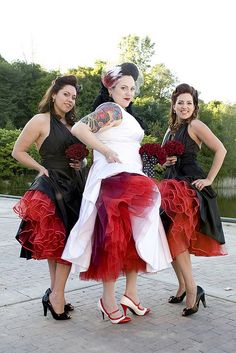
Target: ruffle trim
<point>43,232</point>
<point>181,205</point>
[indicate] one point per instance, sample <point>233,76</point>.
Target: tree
<point>22,86</point>
<point>2,60</point>
<point>221,119</point>
<point>30,84</point>
<point>153,103</point>
<point>159,82</point>
<point>90,79</point>
<point>137,50</point>
<point>7,93</point>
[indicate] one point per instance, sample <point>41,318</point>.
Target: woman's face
<point>64,100</point>
<point>124,91</point>
<point>184,106</point>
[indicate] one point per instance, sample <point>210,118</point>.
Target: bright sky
<point>194,39</point>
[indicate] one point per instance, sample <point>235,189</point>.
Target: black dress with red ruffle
<point>190,217</point>
<point>50,208</point>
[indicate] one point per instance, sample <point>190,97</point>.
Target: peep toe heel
<point>199,297</point>
<point>47,305</point>
<point>175,300</point>
<point>67,307</point>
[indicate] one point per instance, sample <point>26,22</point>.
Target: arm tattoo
<point>103,116</point>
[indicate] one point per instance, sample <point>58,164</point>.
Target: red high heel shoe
<point>119,320</point>
<point>126,302</point>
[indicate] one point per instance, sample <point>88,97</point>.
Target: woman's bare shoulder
<point>39,120</point>
<point>197,124</point>
<point>41,116</point>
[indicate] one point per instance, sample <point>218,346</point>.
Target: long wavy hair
<point>181,89</point>
<point>47,105</point>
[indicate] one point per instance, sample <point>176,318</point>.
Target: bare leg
<point>131,299</point>
<point>184,266</point>
<point>57,297</point>
<point>131,286</point>
<point>108,299</point>
<point>52,270</point>
<point>180,278</point>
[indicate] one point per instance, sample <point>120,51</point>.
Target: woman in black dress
<point>190,213</point>
<point>50,208</point>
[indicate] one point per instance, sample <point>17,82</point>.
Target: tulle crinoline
<point>114,253</point>
<point>43,233</point>
<point>181,205</point>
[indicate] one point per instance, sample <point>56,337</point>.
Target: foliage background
<point>22,86</point>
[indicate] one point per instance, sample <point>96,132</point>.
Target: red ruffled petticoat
<point>43,234</point>
<point>114,253</point>
<point>181,204</point>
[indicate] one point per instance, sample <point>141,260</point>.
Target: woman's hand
<point>111,157</point>
<point>201,183</point>
<point>170,161</point>
<point>42,171</point>
<point>77,165</point>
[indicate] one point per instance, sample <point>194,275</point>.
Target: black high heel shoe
<point>175,300</point>
<point>200,297</point>
<point>47,305</point>
<point>67,307</point>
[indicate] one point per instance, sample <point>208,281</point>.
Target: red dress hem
<point>121,197</point>
<point>43,234</point>
<point>182,206</point>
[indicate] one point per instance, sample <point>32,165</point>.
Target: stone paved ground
<point>23,328</point>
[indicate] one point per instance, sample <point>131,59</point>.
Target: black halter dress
<point>190,217</point>
<point>50,208</point>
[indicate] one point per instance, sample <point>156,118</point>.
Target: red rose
<point>153,150</point>
<point>173,148</point>
<point>77,151</point>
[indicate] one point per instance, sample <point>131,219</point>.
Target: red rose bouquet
<point>151,154</point>
<point>77,151</point>
<point>173,148</point>
<point>154,153</point>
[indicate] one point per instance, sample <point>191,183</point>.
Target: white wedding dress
<point>148,233</point>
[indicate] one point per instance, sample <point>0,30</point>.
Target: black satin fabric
<point>188,169</point>
<point>65,185</point>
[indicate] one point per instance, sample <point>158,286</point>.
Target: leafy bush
<point>8,165</point>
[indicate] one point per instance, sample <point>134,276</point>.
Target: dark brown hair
<point>47,105</point>
<point>181,89</point>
